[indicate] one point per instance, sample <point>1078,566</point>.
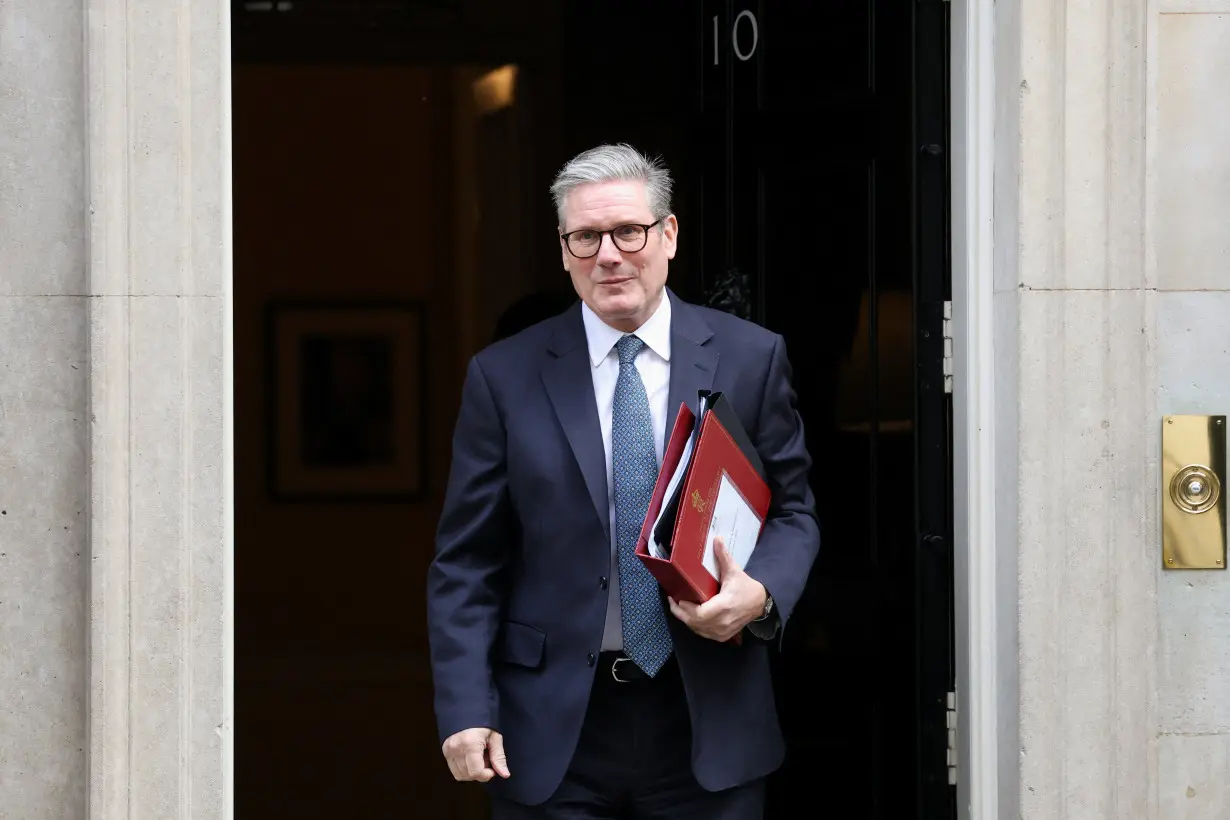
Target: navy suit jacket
<point>516,597</point>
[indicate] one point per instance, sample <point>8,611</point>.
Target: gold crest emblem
<point>698,503</point>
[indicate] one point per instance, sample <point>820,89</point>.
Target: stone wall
<point>114,431</point>
<point>1188,263</point>
<point>1123,315</point>
<point>1111,307</point>
<point>1088,428</point>
<point>44,411</point>
<point>159,273</point>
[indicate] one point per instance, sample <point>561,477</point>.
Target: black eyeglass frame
<point>611,232</point>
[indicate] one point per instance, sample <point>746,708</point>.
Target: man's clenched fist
<point>476,754</point>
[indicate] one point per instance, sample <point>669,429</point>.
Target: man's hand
<point>739,601</point>
<point>476,754</point>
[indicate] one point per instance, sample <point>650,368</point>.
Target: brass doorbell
<point>1193,492</point>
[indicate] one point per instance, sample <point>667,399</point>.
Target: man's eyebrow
<point>618,224</point>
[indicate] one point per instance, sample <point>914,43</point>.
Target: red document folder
<point>721,460</point>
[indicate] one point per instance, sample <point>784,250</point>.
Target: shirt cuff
<point>765,629</point>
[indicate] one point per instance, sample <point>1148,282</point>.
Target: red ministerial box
<point>712,483</point>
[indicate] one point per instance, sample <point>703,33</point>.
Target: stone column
<point>44,414</point>
<point>1088,424</point>
<point>157,184</point>
<point>1189,265</point>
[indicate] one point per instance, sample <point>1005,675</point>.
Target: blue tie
<point>647,641</point>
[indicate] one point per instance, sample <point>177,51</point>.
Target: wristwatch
<point>768,607</point>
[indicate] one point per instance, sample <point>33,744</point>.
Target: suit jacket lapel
<point>570,386</point>
<point>693,363</point>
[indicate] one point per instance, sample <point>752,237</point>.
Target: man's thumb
<point>725,562</point>
<point>495,748</point>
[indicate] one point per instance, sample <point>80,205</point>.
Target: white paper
<point>655,549</point>
<point>735,522</point>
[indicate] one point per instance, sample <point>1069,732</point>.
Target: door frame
<point>985,624</point>
<point>984,489</point>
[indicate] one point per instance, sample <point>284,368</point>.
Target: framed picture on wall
<point>346,419</point>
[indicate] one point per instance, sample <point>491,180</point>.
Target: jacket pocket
<point>521,644</point>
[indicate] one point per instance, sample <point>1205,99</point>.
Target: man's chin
<point>618,308</point>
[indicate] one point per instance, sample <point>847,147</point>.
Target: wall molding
<point>982,752</point>
<point>160,618</point>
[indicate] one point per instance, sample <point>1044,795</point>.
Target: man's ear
<point>670,235</point>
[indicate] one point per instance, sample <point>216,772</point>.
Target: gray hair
<point>608,163</point>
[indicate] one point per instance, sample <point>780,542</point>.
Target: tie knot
<point>628,347</point>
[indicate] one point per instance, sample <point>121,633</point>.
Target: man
<point>563,679</point>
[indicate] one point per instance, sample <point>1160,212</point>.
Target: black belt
<point>620,668</point>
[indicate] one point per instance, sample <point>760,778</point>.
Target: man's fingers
<point>683,610</point>
<point>495,750</point>
<point>466,753</point>
<point>699,614</point>
<point>452,750</point>
<point>711,620</point>
<point>475,766</point>
<point>457,764</point>
<point>714,608</point>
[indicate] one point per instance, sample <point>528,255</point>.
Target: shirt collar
<point>655,333</point>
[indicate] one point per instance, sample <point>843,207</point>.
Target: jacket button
<point>592,659</point>
<point>602,582</point>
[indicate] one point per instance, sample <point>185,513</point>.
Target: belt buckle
<point>615,670</point>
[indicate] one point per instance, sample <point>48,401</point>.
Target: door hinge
<point>948,347</point>
<point>952,738</point>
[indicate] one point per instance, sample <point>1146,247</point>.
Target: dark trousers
<point>633,760</point>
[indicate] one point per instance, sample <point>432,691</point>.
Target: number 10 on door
<point>744,36</point>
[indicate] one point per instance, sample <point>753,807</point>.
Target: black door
<point>832,230</point>
<point>809,141</point>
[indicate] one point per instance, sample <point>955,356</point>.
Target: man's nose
<point>608,254</point>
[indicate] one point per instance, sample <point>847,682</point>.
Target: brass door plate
<point>1194,492</point>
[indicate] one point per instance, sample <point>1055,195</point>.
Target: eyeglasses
<point>585,242</point>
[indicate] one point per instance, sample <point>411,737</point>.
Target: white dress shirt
<point>653,362</point>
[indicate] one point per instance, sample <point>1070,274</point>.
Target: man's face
<point>624,288</point>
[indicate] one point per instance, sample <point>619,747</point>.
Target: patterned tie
<point>647,641</point>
